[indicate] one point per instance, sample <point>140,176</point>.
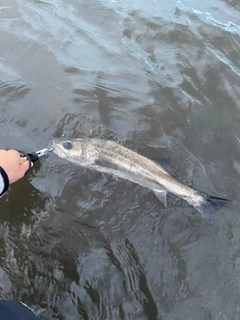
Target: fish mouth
<point>52,145</point>
<point>58,149</point>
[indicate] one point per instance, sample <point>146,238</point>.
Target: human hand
<point>10,162</point>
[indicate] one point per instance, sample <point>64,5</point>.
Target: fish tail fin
<point>211,205</point>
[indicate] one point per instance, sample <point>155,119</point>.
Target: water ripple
<point>161,78</point>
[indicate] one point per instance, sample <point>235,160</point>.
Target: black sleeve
<point>14,310</point>
<point>4,182</point>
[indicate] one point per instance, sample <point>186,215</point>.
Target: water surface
<point>161,78</point>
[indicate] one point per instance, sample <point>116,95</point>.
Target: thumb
<point>25,166</point>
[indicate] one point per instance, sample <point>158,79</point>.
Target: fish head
<point>75,150</point>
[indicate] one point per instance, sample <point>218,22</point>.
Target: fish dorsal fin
<point>162,196</point>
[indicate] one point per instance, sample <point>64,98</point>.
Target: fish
<point>109,157</point>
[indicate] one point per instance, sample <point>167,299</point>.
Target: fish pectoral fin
<point>162,196</point>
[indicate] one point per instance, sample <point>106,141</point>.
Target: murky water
<point>161,78</point>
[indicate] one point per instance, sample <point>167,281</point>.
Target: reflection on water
<point>159,78</point>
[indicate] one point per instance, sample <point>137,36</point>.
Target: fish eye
<point>67,145</point>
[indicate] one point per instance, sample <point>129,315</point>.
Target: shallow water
<point>161,78</point>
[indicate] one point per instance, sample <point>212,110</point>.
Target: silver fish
<point>109,157</point>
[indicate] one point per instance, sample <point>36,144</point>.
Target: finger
<point>25,166</point>
<point>22,160</point>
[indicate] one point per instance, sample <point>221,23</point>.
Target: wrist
<point>4,181</point>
